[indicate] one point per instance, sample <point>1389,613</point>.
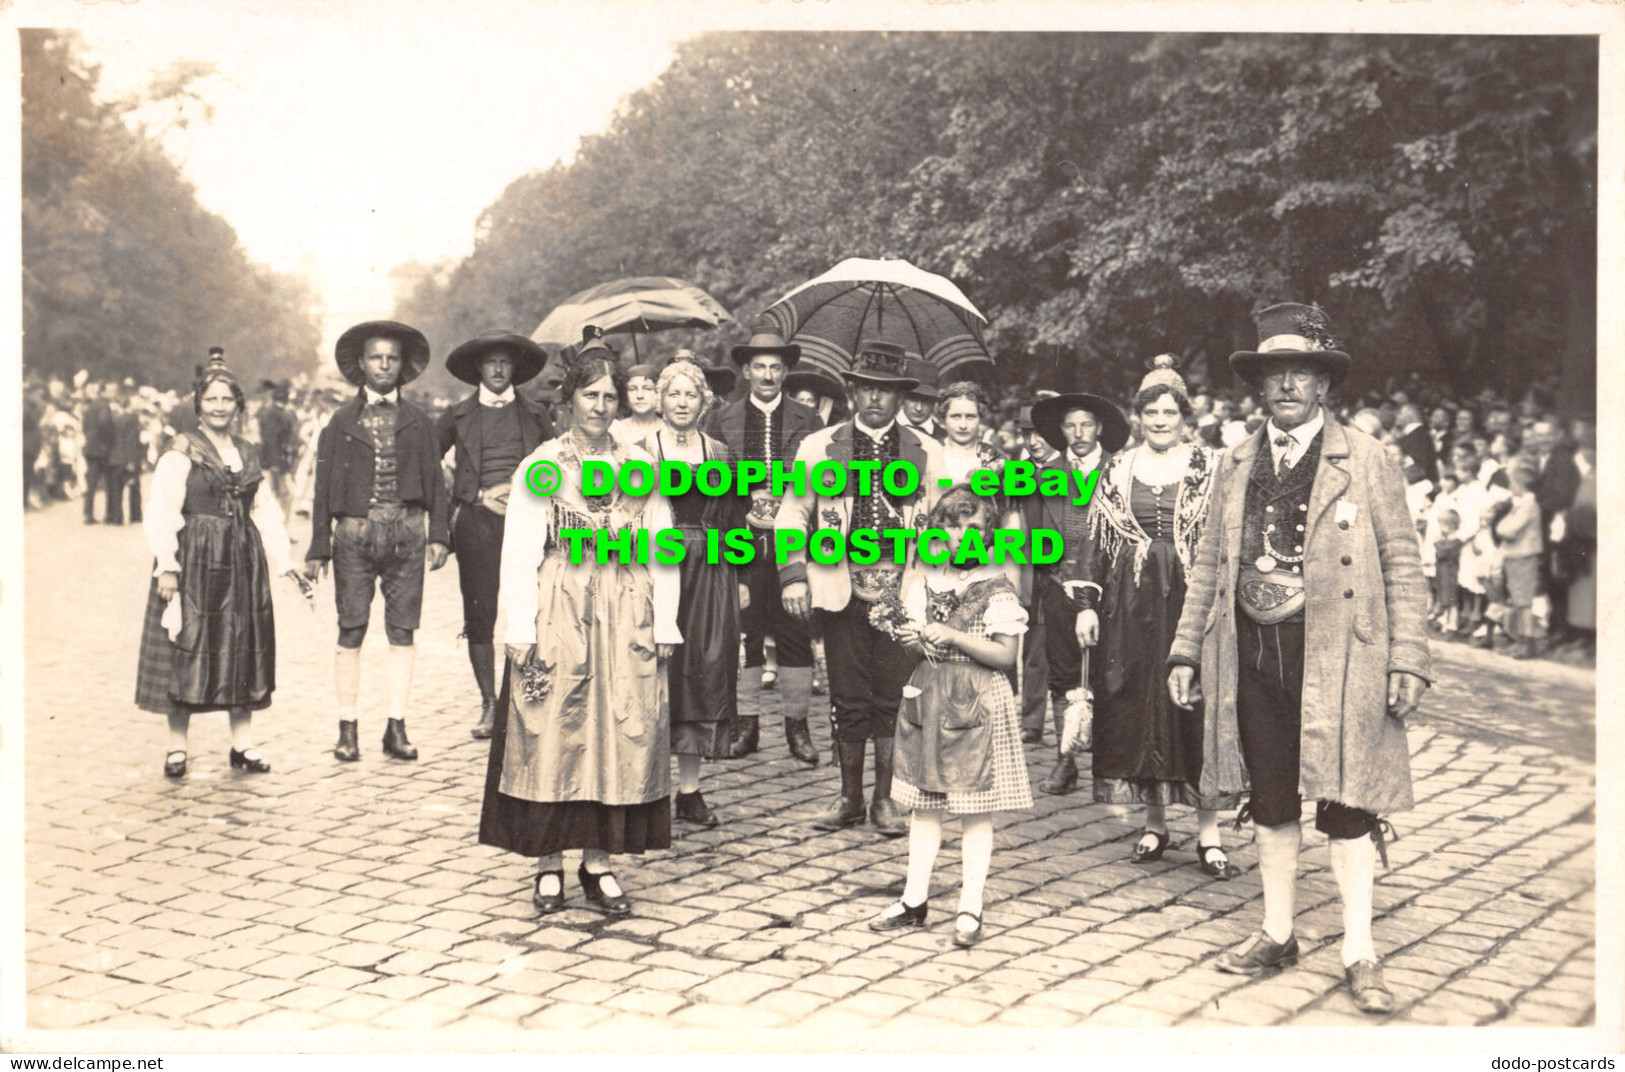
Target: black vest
<point>1283,503</point>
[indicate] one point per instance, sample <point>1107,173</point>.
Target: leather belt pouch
<point>1270,598</point>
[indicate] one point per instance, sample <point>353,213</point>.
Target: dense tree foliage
<point>1101,197</point>
<point>124,273</point>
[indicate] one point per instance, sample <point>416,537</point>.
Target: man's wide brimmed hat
<point>1291,332</point>
<point>528,358</point>
<point>1048,414</point>
<point>413,345</point>
<point>927,374</point>
<point>766,342</point>
<point>883,364</point>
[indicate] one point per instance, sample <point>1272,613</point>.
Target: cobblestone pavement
<point>355,895</point>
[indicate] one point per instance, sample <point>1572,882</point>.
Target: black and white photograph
<point>1230,663</point>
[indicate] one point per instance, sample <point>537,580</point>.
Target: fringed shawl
<point>1111,524</point>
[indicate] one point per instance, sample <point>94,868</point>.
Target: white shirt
<point>373,397</point>
<point>1298,439</point>
<point>494,400</point>
<point>876,434</point>
<point>767,407</point>
<point>1088,463</point>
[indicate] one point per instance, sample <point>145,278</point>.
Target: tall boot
<point>1063,778</point>
<point>483,658</point>
<point>848,810</point>
<point>882,812</point>
<point>747,728</point>
<point>795,686</point>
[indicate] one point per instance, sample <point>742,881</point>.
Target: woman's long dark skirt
<point>537,828</point>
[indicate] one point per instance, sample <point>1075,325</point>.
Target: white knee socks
<point>976,848</point>
<point>924,840</point>
<point>1278,868</point>
<point>347,681</point>
<point>1354,865</point>
<point>688,774</point>
<point>402,658</point>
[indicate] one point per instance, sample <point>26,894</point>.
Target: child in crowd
<point>1520,535</point>
<point>958,745</point>
<point>1447,564</point>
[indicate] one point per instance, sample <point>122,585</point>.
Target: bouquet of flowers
<point>887,615</point>
<point>535,680</point>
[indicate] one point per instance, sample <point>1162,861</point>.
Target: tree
<point>124,273</point>
<point>1101,197</point>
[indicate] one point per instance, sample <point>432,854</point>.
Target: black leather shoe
<point>908,917</point>
<point>967,938</point>
<point>747,735</point>
<point>797,736</point>
<point>1365,983</point>
<point>1062,779</point>
<point>845,812</point>
<point>1160,842</point>
<point>883,817</point>
<point>691,808</point>
<point>591,885</point>
<point>348,749</point>
<point>252,764</point>
<point>175,768</point>
<point>482,730</point>
<point>1258,955</point>
<point>1033,736</point>
<point>1213,860</point>
<point>395,742</point>
<point>546,903</point>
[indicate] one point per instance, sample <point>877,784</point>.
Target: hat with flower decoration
<point>1292,332</point>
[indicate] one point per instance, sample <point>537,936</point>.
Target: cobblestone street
<point>355,895</point>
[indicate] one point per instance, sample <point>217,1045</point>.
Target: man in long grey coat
<point>1303,619</point>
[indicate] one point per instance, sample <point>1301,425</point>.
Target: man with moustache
<point>1086,430</point>
<point>867,669</point>
<point>378,508</point>
<point>1303,621</point>
<point>766,426</point>
<point>492,431</point>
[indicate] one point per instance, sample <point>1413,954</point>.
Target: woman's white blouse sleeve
<point>267,517</point>
<point>163,520</point>
<point>524,541</point>
<point>1004,615</point>
<point>914,600</point>
<point>666,577</point>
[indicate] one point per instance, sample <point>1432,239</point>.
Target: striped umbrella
<point>892,301</point>
<point>636,306</point>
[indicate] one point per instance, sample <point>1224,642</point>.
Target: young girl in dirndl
<point>958,749</point>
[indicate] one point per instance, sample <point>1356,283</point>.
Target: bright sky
<point>351,137</point>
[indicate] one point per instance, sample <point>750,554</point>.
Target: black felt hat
<point>413,344</point>
<point>1047,415</point>
<point>528,358</point>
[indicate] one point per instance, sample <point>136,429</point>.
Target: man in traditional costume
<point>379,506</point>
<point>767,426</point>
<point>867,669</point>
<point>492,430</point>
<point>1304,620</point>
